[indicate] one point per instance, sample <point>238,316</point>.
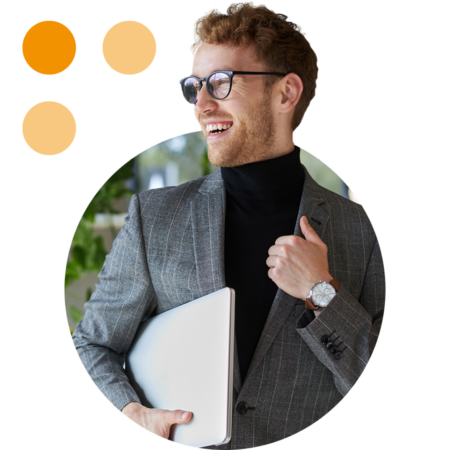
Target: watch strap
<point>310,305</point>
<point>335,283</point>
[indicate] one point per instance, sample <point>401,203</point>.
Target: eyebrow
<point>217,70</point>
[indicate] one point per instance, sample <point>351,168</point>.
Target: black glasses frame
<point>229,73</point>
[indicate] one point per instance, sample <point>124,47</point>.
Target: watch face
<point>323,293</point>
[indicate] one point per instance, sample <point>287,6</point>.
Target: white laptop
<point>183,359</point>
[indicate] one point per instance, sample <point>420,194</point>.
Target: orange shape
<point>65,47</point>
<point>148,47</point>
<point>73,146</point>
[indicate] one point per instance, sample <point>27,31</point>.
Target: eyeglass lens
<point>218,86</point>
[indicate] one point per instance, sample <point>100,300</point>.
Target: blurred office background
<point>169,163</point>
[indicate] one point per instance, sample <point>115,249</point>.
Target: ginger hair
<point>279,44</point>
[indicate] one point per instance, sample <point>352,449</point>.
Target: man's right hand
<point>157,421</point>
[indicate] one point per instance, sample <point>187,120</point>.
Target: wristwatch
<point>321,294</point>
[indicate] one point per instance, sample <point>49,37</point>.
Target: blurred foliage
<point>87,253</point>
<point>206,165</point>
<point>322,174</point>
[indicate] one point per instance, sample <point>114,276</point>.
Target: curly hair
<point>278,43</point>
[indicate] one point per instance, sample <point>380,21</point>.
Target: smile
<point>217,128</point>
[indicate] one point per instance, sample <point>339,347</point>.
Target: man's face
<point>247,108</point>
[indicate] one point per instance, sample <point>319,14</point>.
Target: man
<point>261,225</point>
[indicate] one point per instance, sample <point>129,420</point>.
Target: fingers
<point>308,231</point>
<point>186,416</point>
<point>280,249</point>
<point>178,416</point>
<point>288,240</point>
<point>271,261</point>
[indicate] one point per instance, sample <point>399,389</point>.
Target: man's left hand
<point>296,264</point>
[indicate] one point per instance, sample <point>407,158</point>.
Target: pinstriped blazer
<point>171,251</point>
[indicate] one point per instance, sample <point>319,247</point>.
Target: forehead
<point>211,57</point>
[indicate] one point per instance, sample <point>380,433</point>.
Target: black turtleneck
<point>262,204</point>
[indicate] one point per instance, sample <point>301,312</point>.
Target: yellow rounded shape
<point>147,47</point>
<point>73,146</point>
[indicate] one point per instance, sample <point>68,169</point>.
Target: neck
<point>265,176</point>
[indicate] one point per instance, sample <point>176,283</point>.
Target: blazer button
<point>338,355</point>
<point>333,350</point>
<point>242,408</point>
<point>324,339</point>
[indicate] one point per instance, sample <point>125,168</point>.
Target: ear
<point>291,88</point>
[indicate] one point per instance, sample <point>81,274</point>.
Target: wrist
<point>131,408</point>
<point>318,311</point>
<point>325,277</point>
<point>321,294</point>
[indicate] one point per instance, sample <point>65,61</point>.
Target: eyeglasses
<point>218,84</point>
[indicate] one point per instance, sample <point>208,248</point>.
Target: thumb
<point>308,231</point>
<point>178,416</point>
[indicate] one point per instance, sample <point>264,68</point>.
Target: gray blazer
<point>171,251</point>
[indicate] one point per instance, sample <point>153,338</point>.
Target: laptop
<point>183,359</point>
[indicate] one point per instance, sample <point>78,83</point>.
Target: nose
<point>205,103</point>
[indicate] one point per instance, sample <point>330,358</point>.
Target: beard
<point>250,140</point>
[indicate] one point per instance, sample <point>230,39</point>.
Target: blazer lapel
<point>283,303</point>
<point>208,227</point>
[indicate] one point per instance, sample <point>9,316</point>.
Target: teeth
<point>218,126</point>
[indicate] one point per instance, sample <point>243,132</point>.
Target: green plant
<point>206,165</point>
<point>87,253</point>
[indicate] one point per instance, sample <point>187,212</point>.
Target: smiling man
<point>304,262</point>
<point>247,116</point>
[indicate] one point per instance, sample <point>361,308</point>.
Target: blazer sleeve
<point>347,327</point>
<point>123,298</point>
